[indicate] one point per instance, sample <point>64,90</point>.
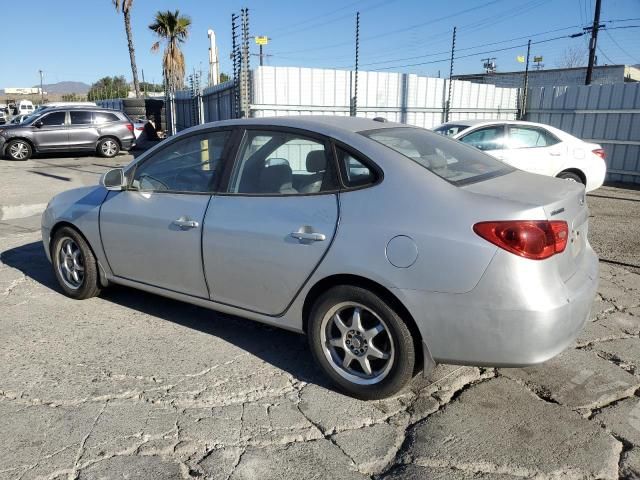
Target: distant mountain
<point>66,87</point>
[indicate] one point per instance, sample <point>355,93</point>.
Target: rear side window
<point>356,173</point>
<point>104,117</point>
<point>80,118</point>
<point>442,156</point>
<point>448,130</point>
<point>55,118</point>
<point>528,137</point>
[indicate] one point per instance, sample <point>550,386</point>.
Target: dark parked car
<point>68,129</point>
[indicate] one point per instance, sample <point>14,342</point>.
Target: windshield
<point>449,159</point>
<point>449,129</point>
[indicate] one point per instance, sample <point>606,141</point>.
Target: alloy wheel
<point>357,343</point>
<point>70,263</point>
<point>109,148</point>
<point>19,150</point>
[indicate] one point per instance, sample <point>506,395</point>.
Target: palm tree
<point>125,6</point>
<point>174,29</point>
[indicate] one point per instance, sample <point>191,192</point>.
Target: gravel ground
<point>132,385</point>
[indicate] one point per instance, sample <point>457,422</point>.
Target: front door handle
<point>307,235</point>
<point>185,224</point>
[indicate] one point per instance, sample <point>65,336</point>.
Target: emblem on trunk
<point>556,212</point>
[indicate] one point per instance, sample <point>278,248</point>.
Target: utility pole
<point>144,84</point>
<point>593,42</point>
<point>354,99</point>
<point>41,89</point>
<point>453,50</point>
<point>523,106</point>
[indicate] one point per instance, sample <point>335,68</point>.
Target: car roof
<point>81,107</point>
<point>325,124</point>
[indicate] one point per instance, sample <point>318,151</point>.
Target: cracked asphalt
<point>132,385</point>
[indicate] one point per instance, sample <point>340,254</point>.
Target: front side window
<point>80,118</point>
<point>488,138</point>
<point>444,157</point>
<point>529,137</point>
<point>281,163</point>
<point>55,118</point>
<point>192,164</point>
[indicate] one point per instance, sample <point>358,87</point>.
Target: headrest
<point>316,161</point>
<point>274,178</point>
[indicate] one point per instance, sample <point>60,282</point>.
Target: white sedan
<point>533,147</point>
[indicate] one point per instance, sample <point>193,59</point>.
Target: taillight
<point>534,239</point>
<point>130,126</point>
<point>600,152</point>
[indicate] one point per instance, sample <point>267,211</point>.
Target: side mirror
<point>38,124</point>
<point>113,180</point>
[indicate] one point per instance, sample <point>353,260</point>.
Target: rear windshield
<point>449,159</point>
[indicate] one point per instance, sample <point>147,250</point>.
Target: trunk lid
<point>560,200</point>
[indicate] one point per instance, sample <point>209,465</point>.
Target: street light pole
<point>41,89</point>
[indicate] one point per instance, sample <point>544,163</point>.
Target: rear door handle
<point>306,235</point>
<point>185,224</point>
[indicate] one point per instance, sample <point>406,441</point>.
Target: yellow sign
<point>262,40</point>
<point>520,58</point>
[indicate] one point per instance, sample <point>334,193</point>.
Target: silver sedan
<point>391,247</point>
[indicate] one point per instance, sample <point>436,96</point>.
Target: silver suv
<point>66,129</point>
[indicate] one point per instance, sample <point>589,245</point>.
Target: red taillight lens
<point>534,239</point>
<point>600,152</point>
<point>130,126</point>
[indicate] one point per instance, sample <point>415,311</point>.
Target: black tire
<point>570,176</point>
<point>89,285</point>
<point>401,346</point>
<point>133,102</point>
<point>135,111</point>
<point>21,150</point>
<point>108,147</point>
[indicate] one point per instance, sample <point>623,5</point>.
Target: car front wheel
<point>361,343</point>
<point>74,265</point>
<point>18,150</point>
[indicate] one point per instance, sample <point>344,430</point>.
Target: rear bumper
<point>521,313</point>
<point>127,143</point>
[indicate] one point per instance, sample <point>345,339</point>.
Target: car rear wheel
<point>108,147</point>
<point>74,264</point>
<point>19,150</point>
<point>361,343</point>
<point>572,177</point>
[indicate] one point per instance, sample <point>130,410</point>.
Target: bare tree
<point>573,57</point>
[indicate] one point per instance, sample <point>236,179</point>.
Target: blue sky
<point>83,40</point>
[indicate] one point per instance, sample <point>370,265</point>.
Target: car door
<point>83,133</point>
<point>50,131</point>
<point>151,232</point>
<point>265,235</point>
<point>489,139</point>
<point>533,149</point>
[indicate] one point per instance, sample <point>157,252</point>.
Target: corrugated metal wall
<point>398,97</point>
<point>218,102</point>
<point>604,114</point>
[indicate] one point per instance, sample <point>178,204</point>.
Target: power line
<point>635,59</point>
<point>471,48</point>
<point>316,17</point>
<point>392,32</point>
